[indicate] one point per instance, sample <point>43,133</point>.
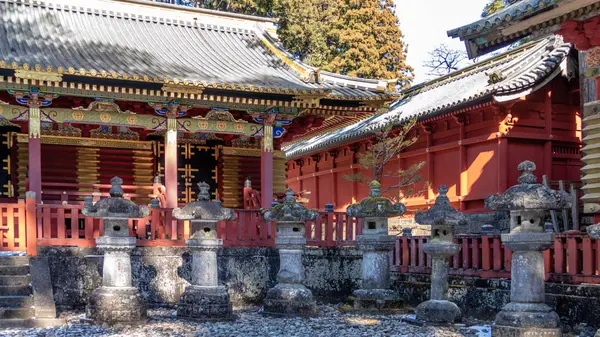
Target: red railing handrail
<point>105,186</point>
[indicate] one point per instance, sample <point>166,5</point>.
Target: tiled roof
<point>515,73</point>
<point>153,42</point>
<point>512,13</point>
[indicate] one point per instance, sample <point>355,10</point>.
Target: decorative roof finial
<point>116,191</point>
<point>375,189</point>
<point>526,168</point>
<point>289,210</point>
<point>375,205</point>
<point>289,195</point>
<point>203,191</point>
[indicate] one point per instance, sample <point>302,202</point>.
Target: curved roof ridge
<point>323,76</point>
<point>153,11</point>
<point>513,12</point>
<point>502,58</point>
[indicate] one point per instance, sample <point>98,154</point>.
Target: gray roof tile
<point>520,71</point>
<point>143,39</point>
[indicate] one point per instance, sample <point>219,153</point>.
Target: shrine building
<point>156,93</point>
<point>474,126</point>
<point>578,22</point>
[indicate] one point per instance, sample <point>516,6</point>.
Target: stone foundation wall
<point>483,298</point>
<point>162,273</point>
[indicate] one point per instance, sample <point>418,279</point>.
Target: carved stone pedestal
<point>116,301</point>
<point>375,245</point>
<point>444,219</point>
<point>375,293</point>
<point>205,303</point>
<point>290,297</point>
<point>205,299</point>
<point>528,202</point>
<point>116,305</point>
<point>438,309</point>
<point>527,314</point>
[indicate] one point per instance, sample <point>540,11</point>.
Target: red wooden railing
<point>72,193</point>
<point>573,258</point>
<point>12,226</point>
<point>332,229</point>
<point>65,225</point>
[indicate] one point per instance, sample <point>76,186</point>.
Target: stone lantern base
<point>289,299</point>
<point>438,311</point>
<point>527,320</point>
<point>116,305</point>
<point>377,299</point>
<point>205,303</point>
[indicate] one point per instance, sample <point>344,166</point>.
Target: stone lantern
<point>443,219</point>
<point>204,299</point>
<point>116,301</point>
<point>528,202</point>
<point>376,245</point>
<point>290,296</point>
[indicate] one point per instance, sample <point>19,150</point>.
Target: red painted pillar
<point>502,164</point>
<point>429,163</point>
<point>462,154</point>
<point>171,163</point>
<point>35,153</point>
<point>548,132</point>
<point>266,167</point>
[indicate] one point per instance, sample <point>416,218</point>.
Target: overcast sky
<point>424,24</point>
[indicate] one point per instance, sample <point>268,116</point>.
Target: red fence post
<point>31,220</point>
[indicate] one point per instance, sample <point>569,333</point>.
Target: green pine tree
<point>367,42</point>
<point>304,28</point>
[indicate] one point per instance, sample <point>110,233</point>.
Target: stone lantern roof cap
<point>115,206</point>
<point>289,210</point>
<point>528,194</point>
<point>204,209</point>
<point>441,212</point>
<point>375,205</point>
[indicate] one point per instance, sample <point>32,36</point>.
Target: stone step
<point>14,270</point>
<point>16,301</point>
<point>15,290</point>
<point>31,323</point>
<point>16,313</point>
<point>14,280</point>
<point>14,260</point>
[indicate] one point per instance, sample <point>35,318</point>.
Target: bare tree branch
<point>444,60</point>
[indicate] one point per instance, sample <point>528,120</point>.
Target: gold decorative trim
<point>90,142</point>
<point>182,89</point>
<point>102,106</point>
<point>267,140</point>
<point>34,122</point>
<point>173,83</point>
<point>245,152</point>
<point>38,75</point>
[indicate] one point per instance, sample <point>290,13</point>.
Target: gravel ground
<point>249,323</point>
